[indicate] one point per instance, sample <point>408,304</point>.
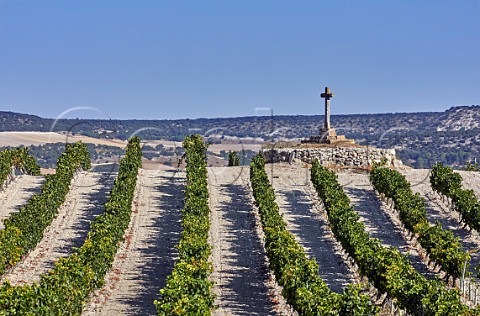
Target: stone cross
<point>327,95</point>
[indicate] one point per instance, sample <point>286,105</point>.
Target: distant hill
<point>285,126</point>
<point>457,118</point>
<point>421,139</point>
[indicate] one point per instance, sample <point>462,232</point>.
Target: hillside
<point>421,139</point>
<point>288,126</point>
<point>458,118</point>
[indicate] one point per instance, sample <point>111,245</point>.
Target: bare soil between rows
<point>17,193</point>
<point>302,213</point>
<point>375,216</point>
<point>147,255</point>
<point>243,283</point>
<point>439,210</point>
<point>84,201</point>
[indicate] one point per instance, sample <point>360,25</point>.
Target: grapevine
<point>20,159</point>
<point>441,244</point>
<point>448,183</point>
<point>24,229</point>
<point>64,289</point>
<point>302,286</point>
<point>188,290</point>
<point>386,268</point>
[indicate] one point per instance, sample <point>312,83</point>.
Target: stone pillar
<point>327,95</point>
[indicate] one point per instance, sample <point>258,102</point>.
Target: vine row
<point>24,229</point>
<point>20,159</point>
<point>302,286</point>
<point>448,183</point>
<point>188,290</point>
<point>441,244</point>
<point>65,288</point>
<point>386,268</point>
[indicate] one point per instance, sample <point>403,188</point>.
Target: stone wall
<point>339,156</point>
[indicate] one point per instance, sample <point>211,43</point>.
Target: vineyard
<point>264,239</point>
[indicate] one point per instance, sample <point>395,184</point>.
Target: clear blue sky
<point>189,59</point>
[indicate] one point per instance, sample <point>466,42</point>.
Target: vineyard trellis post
<point>470,291</point>
<point>462,280</point>
<point>475,300</point>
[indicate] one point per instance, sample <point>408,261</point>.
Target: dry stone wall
<point>340,156</point>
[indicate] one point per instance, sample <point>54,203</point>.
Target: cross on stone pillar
<point>327,95</point>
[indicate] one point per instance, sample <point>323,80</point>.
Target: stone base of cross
<point>329,136</point>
